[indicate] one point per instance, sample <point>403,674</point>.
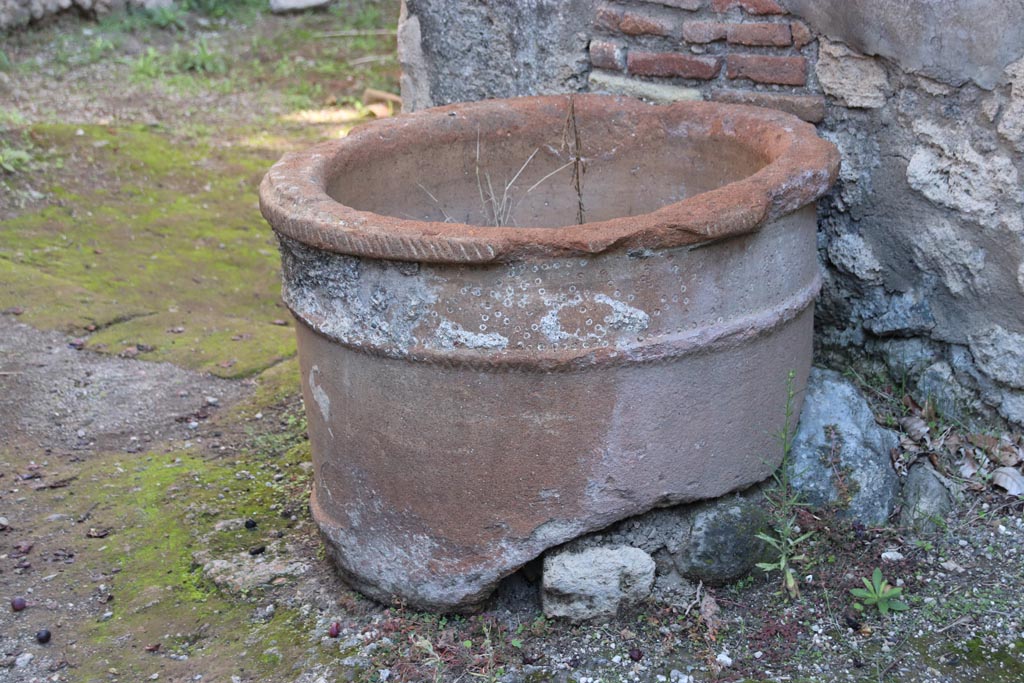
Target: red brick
<point>801,34</point>
<point>605,54</point>
<point>639,24</point>
<point>749,6</point>
<point>773,35</point>
<point>764,69</point>
<point>679,4</point>
<point>673,64</point>
<point>607,19</point>
<point>704,31</point>
<point>808,107</point>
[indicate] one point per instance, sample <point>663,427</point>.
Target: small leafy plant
<point>880,593</point>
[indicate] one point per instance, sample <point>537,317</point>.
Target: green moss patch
<point>145,229</point>
<point>163,510</point>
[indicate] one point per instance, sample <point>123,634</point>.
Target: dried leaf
<point>985,442</point>
<point>1008,454</point>
<point>969,466</point>
<point>907,444</point>
<point>953,442</point>
<point>1010,480</point>
<point>709,611</point>
<point>911,404</point>
<point>915,427</point>
<point>1000,449</point>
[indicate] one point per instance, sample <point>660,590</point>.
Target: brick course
<point>632,23</point>
<point>767,69</point>
<point>679,4</point>
<point>639,24</point>
<point>810,108</point>
<point>773,35</point>
<point>672,64</point>
<point>605,54</point>
<point>749,6</point>
<point>704,31</point>
<point>801,34</point>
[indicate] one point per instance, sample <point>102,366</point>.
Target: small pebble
<point>23,660</point>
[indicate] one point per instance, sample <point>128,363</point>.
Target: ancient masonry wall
<point>921,241</point>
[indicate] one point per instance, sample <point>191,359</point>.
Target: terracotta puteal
<point>522,320</point>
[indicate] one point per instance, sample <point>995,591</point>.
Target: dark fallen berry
<point>18,604</point>
<point>43,636</point>
<point>635,654</point>
<point>250,524</point>
<point>334,630</point>
<point>258,550</point>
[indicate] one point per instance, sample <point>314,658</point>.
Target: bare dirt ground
<point>154,471</point>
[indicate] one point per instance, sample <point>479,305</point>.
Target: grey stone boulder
<point>595,583</point>
<point>939,384</point>
<point>927,498</point>
<point>721,544</point>
<point>840,456</point>
<point>713,541</point>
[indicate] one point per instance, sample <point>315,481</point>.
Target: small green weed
<point>99,48</point>
<point>926,546</point>
<point>880,593</point>
<point>219,9</point>
<point>171,17</point>
<point>199,59</point>
<point>149,65</point>
<point>10,117</point>
<point>786,545</point>
<point>784,502</point>
<point>14,160</point>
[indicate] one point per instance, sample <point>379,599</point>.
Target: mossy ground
<point>129,218</point>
